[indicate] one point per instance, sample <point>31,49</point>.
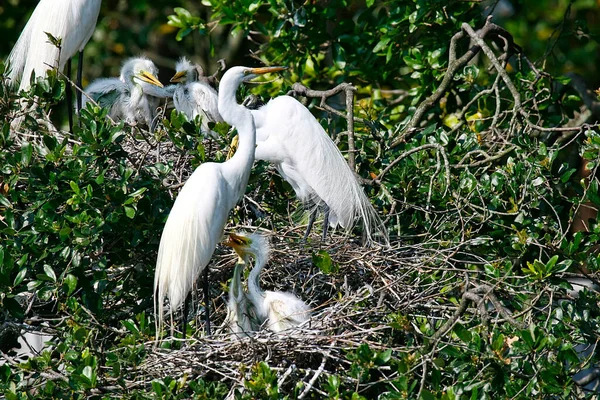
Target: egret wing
<point>308,158</point>
<point>191,233</point>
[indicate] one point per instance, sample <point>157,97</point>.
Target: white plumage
<point>199,213</point>
<point>134,96</point>
<point>195,98</point>
<point>278,311</point>
<point>241,315</point>
<point>73,21</point>
<point>291,138</point>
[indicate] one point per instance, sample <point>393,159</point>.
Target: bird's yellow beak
<point>264,70</point>
<point>178,77</point>
<point>150,78</point>
<point>238,243</point>
<point>233,146</point>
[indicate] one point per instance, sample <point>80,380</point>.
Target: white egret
<point>278,310</point>
<point>194,97</point>
<point>71,21</point>
<point>134,96</point>
<point>291,138</point>
<point>197,219</point>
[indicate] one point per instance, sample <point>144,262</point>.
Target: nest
<point>350,304</point>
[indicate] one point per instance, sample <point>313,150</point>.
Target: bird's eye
<point>186,91</point>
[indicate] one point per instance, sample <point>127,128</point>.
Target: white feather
<point>73,21</point>
<point>278,310</point>
<point>290,137</point>
<point>198,99</point>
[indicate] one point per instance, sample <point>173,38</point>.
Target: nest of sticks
<point>350,304</point>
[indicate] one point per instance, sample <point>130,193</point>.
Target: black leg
<point>69,94</point>
<point>311,221</point>
<point>325,221</point>
<point>79,78</point>
<point>186,307</point>
<point>206,301</point>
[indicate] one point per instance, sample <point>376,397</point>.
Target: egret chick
<point>279,310</point>
<point>241,315</point>
<point>134,96</point>
<point>194,97</point>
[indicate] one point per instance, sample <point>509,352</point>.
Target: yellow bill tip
<point>178,77</point>
<point>150,78</point>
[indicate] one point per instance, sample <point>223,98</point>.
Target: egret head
<point>246,245</point>
<point>140,70</point>
<point>237,75</point>
<point>186,72</point>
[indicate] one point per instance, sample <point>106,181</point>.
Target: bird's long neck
<point>254,288</point>
<point>236,115</point>
<point>236,283</point>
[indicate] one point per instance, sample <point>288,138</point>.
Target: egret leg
<point>186,307</point>
<point>79,83</point>
<point>311,221</point>
<point>69,97</point>
<point>325,221</point>
<point>206,301</point>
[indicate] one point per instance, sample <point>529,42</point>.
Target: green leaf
<point>49,272</point>
<point>462,333</point>
<point>71,282</point>
<point>74,187</point>
<point>129,211</point>
<point>20,276</point>
<point>323,261</point>
<point>26,153</point>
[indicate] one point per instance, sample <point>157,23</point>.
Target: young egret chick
<point>194,97</point>
<point>134,96</point>
<point>241,315</point>
<point>199,214</point>
<point>280,310</point>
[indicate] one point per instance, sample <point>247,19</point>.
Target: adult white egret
<point>291,138</point>
<point>72,21</point>
<point>134,96</point>
<point>199,214</point>
<point>279,310</point>
<point>194,97</point>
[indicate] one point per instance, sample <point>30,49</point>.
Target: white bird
<point>278,310</point>
<point>291,138</point>
<point>241,315</point>
<point>194,97</point>
<point>73,21</point>
<point>199,214</point>
<point>134,96</point>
